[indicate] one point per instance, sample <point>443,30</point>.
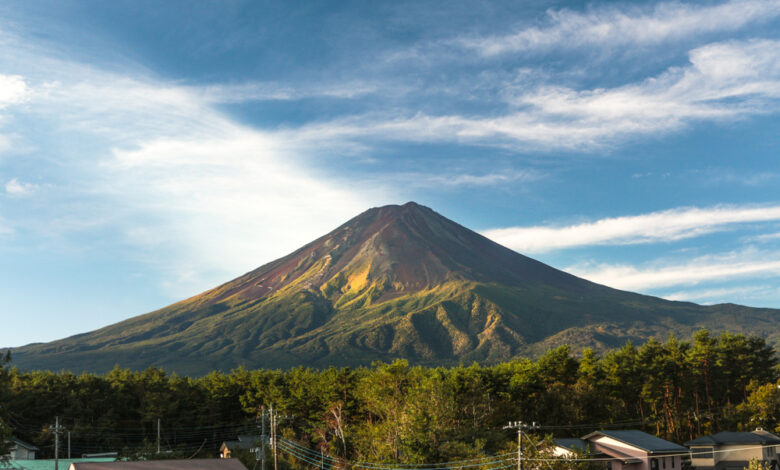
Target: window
<point>653,464</point>
<point>701,452</point>
<point>663,461</point>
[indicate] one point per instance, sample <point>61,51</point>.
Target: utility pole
<point>56,443</point>
<point>262,437</point>
<point>158,435</point>
<point>273,437</point>
<point>68,445</point>
<point>520,426</point>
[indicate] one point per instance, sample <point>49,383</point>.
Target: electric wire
<point>320,464</point>
<point>380,466</point>
<point>458,463</point>
<point>465,462</point>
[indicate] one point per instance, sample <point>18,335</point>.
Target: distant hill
<point>395,281</point>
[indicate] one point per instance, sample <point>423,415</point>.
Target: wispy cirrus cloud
<point>13,90</point>
<point>723,294</point>
<point>611,27</point>
<point>196,194</point>
<point>465,179</point>
<point>655,227</point>
<point>265,91</point>
<point>748,263</point>
<point>723,81</point>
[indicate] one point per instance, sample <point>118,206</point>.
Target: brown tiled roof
<point>192,464</point>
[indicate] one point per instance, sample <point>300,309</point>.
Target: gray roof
<point>21,443</point>
<point>192,464</point>
<point>641,440</point>
<point>728,437</point>
<point>572,443</point>
<point>244,442</point>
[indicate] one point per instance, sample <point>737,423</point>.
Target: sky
<point>152,150</point>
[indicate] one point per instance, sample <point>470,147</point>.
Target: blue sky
<point>151,150</point>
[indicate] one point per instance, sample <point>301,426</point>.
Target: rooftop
<point>640,440</point>
<point>729,437</point>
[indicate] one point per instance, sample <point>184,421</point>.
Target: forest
<point>398,413</point>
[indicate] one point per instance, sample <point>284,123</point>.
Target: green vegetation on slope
<point>394,282</point>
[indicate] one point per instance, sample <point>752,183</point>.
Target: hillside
<point>395,281</point>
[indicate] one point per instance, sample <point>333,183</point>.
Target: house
<point>636,450</point>
<point>21,450</point>
<point>734,450</point>
<point>252,443</point>
<point>190,464</point>
<point>572,447</point>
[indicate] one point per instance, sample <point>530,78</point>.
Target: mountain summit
<point>395,281</point>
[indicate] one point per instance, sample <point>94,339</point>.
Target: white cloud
<point>254,91</point>
<point>724,81</point>
<point>455,179</point>
<point>15,188</point>
<point>663,226</point>
<point>13,90</point>
<point>231,200</point>
<point>194,193</point>
<point>723,294</point>
<point>735,265</point>
<point>767,237</point>
<point>611,27</point>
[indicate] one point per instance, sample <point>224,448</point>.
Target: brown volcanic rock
<point>411,247</point>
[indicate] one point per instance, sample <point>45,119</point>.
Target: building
<point>734,450</point>
<point>636,450</point>
<point>21,450</point>
<point>190,464</point>
<point>571,447</point>
<point>250,443</point>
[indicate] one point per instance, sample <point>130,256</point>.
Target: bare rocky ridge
<point>395,281</point>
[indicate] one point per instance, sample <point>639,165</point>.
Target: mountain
<point>395,281</point>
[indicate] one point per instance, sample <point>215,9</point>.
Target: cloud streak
<point>656,227</point>
<point>723,81</point>
<point>612,27</point>
<point>725,267</point>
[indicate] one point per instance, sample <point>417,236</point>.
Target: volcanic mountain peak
<point>395,281</point>
<point>386,251</point>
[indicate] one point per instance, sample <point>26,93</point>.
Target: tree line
<point>395,412</point>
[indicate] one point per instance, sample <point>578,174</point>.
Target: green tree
<point>757,464</point>
<point>5,430</point>
<point>762,407</point>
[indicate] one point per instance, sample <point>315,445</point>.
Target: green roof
<point>45,464</point>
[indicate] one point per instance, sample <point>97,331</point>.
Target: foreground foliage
<point>393,412</point>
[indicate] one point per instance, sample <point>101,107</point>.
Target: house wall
<point>737,456</point>
<point>739,452</point>
<point>702,462</point>
<point>20,453</point>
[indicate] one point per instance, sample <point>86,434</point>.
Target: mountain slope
<point>395,281</point>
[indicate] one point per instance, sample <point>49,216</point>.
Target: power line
<point>291,446</point>
<point>458,463</point>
